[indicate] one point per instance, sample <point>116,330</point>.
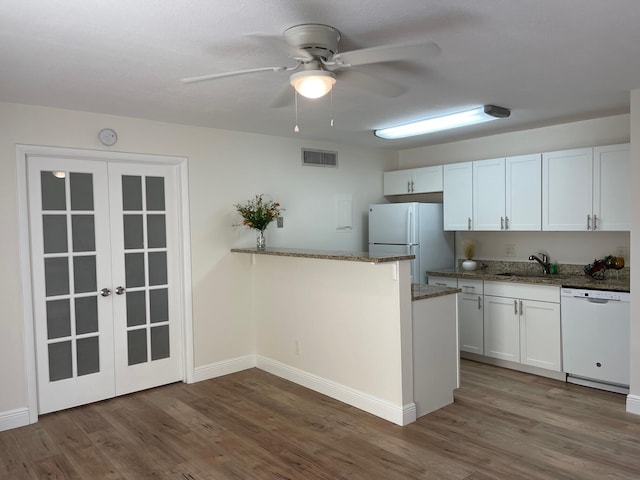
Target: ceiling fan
<point>315,48</point>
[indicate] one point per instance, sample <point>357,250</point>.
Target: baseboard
<point>541,372</point>
<point>398,414</point>
<point>14,418</point>
<point>225,367</point>
<point>633,404</point>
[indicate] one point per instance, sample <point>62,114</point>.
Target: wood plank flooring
<point>253,425</point>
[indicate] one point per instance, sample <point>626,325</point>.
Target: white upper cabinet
<point>427,179</point>
<point>586,189</point>
<point>457,196</point>
<point>397,182</point>
<point>612,188</point>
<point>523,191</point>
<point>488,194</point>
<point>506,193</point>
<point>416,180</point>
<point>567,179</point>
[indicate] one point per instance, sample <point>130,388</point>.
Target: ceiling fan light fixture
<point>444,122</point>
<point>313,83</point>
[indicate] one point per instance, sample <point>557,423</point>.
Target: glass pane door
<point>71,263</point>
<point>144,241</point>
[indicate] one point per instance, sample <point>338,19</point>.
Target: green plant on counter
<point>258,213</point>
<point>468,248</point>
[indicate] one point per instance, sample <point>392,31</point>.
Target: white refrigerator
<point>415,229</point>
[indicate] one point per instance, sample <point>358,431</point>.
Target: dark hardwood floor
<point>252,425</point>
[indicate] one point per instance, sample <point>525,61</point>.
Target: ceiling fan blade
<point>278,42</point>
<point>373,84</point>
<point>283,98</point>
<point>387,53</point>
<point>213,76</point>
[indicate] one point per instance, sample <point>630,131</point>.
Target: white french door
<point>105,278</point>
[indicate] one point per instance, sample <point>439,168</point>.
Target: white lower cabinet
<point>502,328</point>
<point>471,316</point>
<point>540,335</point>
<point>522,324</point>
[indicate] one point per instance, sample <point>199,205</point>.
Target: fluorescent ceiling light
<point>313,83</point>
<point>444,122</point>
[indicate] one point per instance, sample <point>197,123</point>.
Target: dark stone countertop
<point>423,292</point>
<point>324,254</point>
<point>610,282</point>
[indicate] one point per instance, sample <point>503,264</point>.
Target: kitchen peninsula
<point>350,326</point>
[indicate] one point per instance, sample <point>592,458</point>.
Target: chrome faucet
<point>544,262</point>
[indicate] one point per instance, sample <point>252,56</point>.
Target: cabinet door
<point>540,334</point>
<point>612,188</point>
<point>397,183</point>
<point>567,190</point>
<point>523,184</point>
<point>457,196</point>
<point>471,323</point>
<point>501,328</point>
<point>427,179</point>
<point>488,194</point>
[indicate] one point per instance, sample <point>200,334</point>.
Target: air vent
<point>319,158</point>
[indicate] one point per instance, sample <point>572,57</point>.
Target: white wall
<point>586,133</point>
<point>635,246</point>
<point>225,168</point>
<point>578,248</point>
<point>345,325</point>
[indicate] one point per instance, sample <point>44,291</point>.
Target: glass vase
<point>260,241</point>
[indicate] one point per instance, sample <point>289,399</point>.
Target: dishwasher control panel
<point>595,294</point>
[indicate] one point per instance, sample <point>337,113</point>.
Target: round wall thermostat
<point>107,137</point>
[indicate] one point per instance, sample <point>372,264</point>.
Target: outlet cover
<point>510,250</point>
<point>280,222</point>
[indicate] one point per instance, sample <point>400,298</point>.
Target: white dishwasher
<point>595,338</point>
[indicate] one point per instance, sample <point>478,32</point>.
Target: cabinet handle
<point>409,187</point>
<point>588,222</point>
<point>479,303</point>
<point>501,223</point>
<point>595,222</point>
<point>412,187</point>
<point>469,224</point>
<point>520,307</point>
<point>441,284</point>
<point>515,307</point>
<point>506,223</point>
<point>105,292</point>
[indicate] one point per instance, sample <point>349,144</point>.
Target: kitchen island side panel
<point>346,323</point>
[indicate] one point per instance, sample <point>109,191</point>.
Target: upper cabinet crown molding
<point>587,189</point>
<point>415,180</point>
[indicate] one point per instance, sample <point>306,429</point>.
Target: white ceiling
<point>549,61</point>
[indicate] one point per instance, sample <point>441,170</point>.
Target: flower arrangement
<point>258,213</point>
<point>468,248</point>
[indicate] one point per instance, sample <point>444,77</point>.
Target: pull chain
<point>331,98</point>
<point>296,128</point>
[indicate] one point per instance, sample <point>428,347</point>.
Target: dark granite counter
<point>422,292</point>
<point>325,254</point>
<point>568,276</point>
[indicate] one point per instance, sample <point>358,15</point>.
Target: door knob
<point>105,292</point>
<point>120,290</point>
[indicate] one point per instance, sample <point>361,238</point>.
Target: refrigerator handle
<point>408,226</point>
